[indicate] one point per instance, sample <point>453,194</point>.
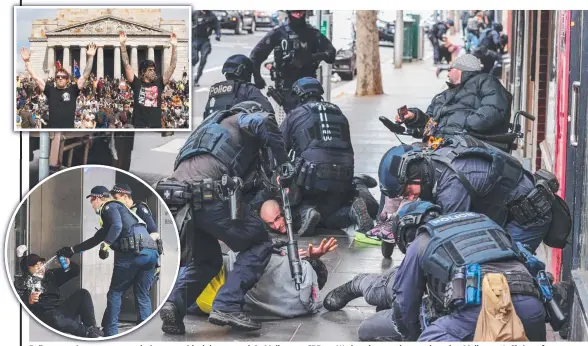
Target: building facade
<point>66,38</point>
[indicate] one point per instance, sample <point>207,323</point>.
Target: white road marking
<point>171,147</point>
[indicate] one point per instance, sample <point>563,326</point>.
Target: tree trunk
<point>369,76</point>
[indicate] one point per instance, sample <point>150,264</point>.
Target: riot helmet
<point>247,107</point>
<point>498,27</point>
<point>450,22</point>
<point>409,218</point>
<point>296,19</point>
<point>388,171</point>
<point>238,67</point>
<point>307,87</point>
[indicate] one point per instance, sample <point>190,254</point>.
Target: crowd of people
<point>482,37</point>
<point>456,203</point>
<point>103,103</point>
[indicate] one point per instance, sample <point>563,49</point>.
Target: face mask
<point>297,23</point>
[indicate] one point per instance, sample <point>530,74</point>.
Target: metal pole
<point>43,155</point>
<point>329,18</point>
<point>398,39</point>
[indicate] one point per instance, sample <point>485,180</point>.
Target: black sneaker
<point>94,332</point>
<point>340,296</point>
<point>172,323</point>
<point>310,219</point>
<point>238,320</point>
<point>360,214</point>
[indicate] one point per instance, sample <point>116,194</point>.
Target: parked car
<point>265,19</point>
<point>345,61</point>
<point>386,31</point>
<point>236,20</point>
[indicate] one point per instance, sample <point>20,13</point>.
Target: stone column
<point>166,58</point>
<point>65,63</point>
<point>134,60</point>
<point>116,62</point>
<point>51,60</point>
<point>83,55</point>
<point>100,62</point>
<point>151,53</point>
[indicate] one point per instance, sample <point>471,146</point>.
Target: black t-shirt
<point>147,103</point>
<point>62,105</point>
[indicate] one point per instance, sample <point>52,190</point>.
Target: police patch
<point>212,102</point>
<point>221,89</point>
<point>145,210</point>
<point>106,208</point>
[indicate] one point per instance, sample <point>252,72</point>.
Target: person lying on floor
<point>275,295</point>
<point>39,290</point>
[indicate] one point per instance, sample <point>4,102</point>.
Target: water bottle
<point>64,264</point>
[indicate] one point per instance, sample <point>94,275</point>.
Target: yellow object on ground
<point>205,299</point>
<point>360,237</point>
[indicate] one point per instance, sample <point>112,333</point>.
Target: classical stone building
<point>66,37</point>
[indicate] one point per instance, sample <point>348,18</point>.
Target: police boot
<point>340,296</point>
<point>94,332</point>
<point>309,220</point>
<point>238,320</point>
<point>172,323</point>
<point>363,184</point>
<point>365,179</point>
<point>359,213</point>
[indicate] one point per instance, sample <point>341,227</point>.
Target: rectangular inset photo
<point>95,68</point>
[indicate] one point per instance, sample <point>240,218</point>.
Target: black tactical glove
<point>103,254</point>
<point>66,251</point>
<point>286,174</point>
<point>217,38</point>
<point>259,82</point>
<point>277,247</point>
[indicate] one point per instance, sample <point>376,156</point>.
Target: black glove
<point>103,254</point>
<point>277,247</point>
<point>286,174</point>
<point>66,251</point>
<point>259,82</point>
<point>217,38</point>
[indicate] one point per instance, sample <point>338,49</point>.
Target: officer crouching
<point>447,260</point>
<point>218,163</point>
<point>135,256</point>
<point>238,70</point>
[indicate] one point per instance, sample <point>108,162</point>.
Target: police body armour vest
<point>129,222</point>
<point>330,129</point>
<point>504,175</point>
<point>211,138</point>
<point>459,239</point>
<point>222,97</point>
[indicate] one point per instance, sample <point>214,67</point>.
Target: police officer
<point>135,256</point>
<point>204,22</point>
<point>489,50</point>
<point>318,132</point>
<point>298,50</point>
<point>467,174</point>
<point>238,70</point>
<point>123,193</point>
<point>226,144</point>
<point>436,36</point>
<point>470,238</point>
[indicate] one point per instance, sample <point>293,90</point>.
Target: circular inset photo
<point>92,252</point>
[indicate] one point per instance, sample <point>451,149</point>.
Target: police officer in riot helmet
<point>298,50</point>
<point>451,315</point>
<point>204,22</point>
<point>467,174</point>
<point>318,133</point>
<point>135,257</point>
<point>219,161</point>
<point>238,70</point>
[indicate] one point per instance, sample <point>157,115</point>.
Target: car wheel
<point>346,75</point>
<point>253,28</point>
<point>239,28</point>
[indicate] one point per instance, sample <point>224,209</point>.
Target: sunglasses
<point>60,77</point>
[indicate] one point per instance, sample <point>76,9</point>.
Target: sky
<point>25,17</point>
